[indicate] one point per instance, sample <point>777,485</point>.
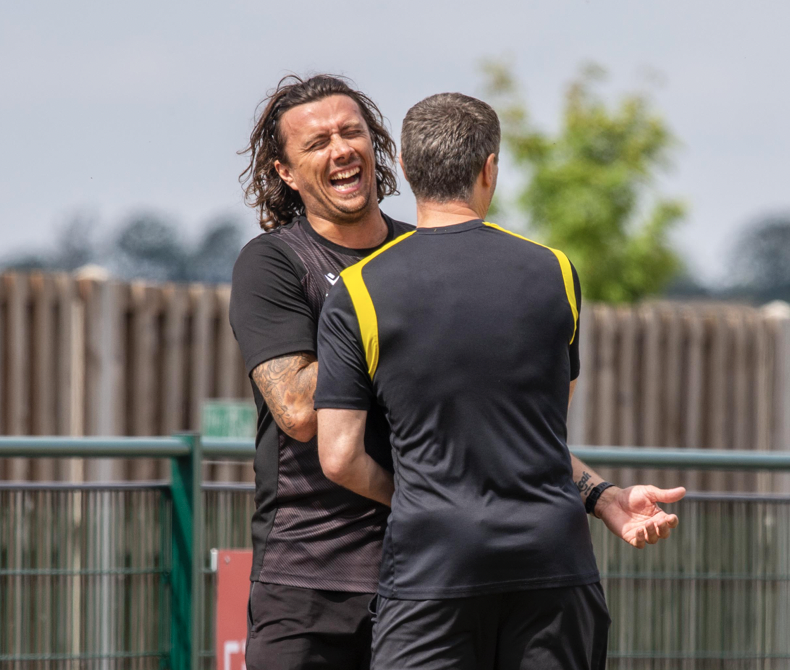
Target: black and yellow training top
<point>467,336</point>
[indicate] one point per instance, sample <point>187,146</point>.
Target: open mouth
<point>347,180</point>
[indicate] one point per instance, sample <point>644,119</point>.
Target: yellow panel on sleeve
<point>567,274</point>
<point>364,307</point>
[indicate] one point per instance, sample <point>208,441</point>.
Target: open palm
<point>633,514</point>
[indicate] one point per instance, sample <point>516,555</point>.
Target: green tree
<point>589,189</point>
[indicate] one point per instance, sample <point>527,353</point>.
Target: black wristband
<point>589,505</point>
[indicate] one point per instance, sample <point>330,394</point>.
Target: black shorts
<point>542,629</point>
<point>290,628</point>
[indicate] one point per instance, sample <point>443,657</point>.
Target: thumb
<point>665,495</point>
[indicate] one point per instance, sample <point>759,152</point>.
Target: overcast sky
<point>110,107</point>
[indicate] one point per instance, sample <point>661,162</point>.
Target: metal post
<point>187,542</point>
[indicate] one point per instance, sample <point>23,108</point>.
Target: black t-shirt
<point>467,336</point>
<point>306,531</point>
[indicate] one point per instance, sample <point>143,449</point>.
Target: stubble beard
<point>341,215</point>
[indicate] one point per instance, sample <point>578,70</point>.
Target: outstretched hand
<point>634,515</point>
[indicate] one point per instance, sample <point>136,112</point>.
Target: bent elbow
<point>303,433</point>
<point>335,469</point>
<point>302,428</point>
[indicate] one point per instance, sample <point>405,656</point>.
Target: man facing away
<point>467,336</point>
<point>321,160</point>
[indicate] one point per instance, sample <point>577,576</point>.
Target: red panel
<point>233,590</point>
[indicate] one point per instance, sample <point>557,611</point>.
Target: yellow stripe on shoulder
<point>567,273</point>
<point>363,304</point>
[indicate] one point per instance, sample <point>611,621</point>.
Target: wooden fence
<point>86,355</point>
<point>90,356</point>
<point>686,375</point>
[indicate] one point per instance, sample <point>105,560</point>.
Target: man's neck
<point>366,233</point>
<point>440,214</point>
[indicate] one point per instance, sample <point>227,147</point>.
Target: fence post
<point>187,540</point>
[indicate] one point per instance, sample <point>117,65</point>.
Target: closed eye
<point>318,143</point>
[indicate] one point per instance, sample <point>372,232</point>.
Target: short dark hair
<point>277,203</point>
<point>445,142</point>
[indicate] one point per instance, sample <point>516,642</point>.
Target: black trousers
<point>541,629</point>
<point>289,628</point>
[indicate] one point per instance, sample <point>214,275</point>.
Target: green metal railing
<point>118,575</point>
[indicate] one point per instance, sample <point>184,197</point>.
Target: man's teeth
<point>347,180</point>
<point>346,174</point>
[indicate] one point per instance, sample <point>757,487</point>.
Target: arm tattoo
<point>584,484</point>
<point>287,384</point>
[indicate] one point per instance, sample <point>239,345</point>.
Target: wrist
<point>606,499</point>
<point>593,503</point>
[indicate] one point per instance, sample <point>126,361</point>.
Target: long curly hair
<point>275,202</point>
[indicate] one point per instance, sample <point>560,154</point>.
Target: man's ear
<point>490,169</point>
<point>285,174</point>
<point>403,169</point>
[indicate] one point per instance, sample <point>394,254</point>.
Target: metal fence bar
<point>232,449</point>
<point>186,472</point>
<point>698,459</point>
<point>92,447</point>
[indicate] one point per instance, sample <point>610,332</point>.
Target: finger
<point>638,540</point>
<point>665,523</point>
<point>651,531</point>
<point>664,530</point>
<point>665,495</point>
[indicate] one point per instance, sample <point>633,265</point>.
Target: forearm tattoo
<point>585,484</point>
<point>287,384</point>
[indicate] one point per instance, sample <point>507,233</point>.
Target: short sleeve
<point>269,312</point>
<point>574,346</point>
<point>343,380</point>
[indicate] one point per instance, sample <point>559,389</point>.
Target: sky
<point>112,108</point>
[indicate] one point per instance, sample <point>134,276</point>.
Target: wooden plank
<point>101,332</point>
<point>651,366</point>
<point>606,391</point>
<point>225,372</point>
<point>577,413</point>
<point>144,400</point>
<point>627,371</point>
<point>43,412</point>
<point>227,348</point>
<point>605,413</point>
<point>694,391</point>
<point>119,375</point>
<point>673,332</point>
<point>65,300</point>
<point>722,326</point>
<point>651,383</point>
<point>672,326</point>
<point>18,368</point>
<point>763,371</point>
<point>141,383</point>
<point>175,357</point>
<point>777,315</point>
<point>202,349</point>
<point>70,369</point>
<point>742,408</point>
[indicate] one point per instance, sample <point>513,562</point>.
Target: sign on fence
<point>229,418</point>
<point>233,589</point>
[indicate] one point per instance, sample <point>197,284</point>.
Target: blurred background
<point>650,141</point>
<point>118,115</point>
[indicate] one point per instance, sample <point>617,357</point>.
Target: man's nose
<point>341,149</point>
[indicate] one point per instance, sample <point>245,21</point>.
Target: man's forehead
<point>323,114</point>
